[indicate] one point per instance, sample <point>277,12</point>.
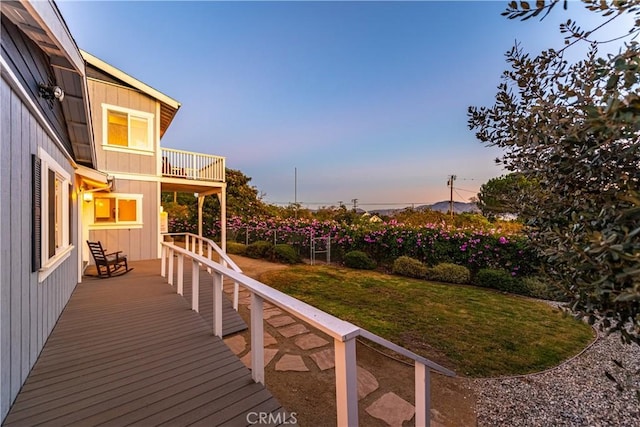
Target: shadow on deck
<point>128,350</point>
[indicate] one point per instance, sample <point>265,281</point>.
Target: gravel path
<point>576,393</point>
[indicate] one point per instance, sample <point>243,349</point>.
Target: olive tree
<point>574,129</point>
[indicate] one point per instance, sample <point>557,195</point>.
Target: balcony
<point>192,166</point>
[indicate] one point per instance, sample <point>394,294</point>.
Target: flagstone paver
<point>276,322</point>
<point>367,383</point>
<point>325,359</point>
<point>236,343</point>
<point>272,312</point>
<point>309,341</point>
<point>293,330</point>
<point>269,339</point>
<point>391,409</point>
<point>269,354</point>
<point>291,362</point>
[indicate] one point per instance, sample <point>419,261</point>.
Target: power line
<point>464,189</point>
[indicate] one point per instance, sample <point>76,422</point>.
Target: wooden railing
<point>186,164</point>
<point>344,334</point>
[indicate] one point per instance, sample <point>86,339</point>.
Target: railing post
<point>423,394</point>
<point>163,261</point>
<point>171,266</point>
<point>257,339</point>
<point>186,241</point>
<point>193,244</point>
<point>217,304</point>
<point>236,292</point>
<point>346,382</point>
<point>180,273</point>
<point>195,286</point>
<point>209,257</point>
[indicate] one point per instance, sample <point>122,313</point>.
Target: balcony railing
<point>189,165</point>
<point>343,333</point>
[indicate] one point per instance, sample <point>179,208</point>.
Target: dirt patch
<point>311,395</point>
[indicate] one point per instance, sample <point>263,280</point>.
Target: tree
<point>499,196</point>
<point>243,200</point>
<point>574,128</point>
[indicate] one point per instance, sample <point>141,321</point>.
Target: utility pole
<point>355,204</point>
<point>295,191</point>
<point>450,184</point>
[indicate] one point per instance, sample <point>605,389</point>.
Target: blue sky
<point>366,100</point>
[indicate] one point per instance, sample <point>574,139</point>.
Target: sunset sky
<point>367,100</point>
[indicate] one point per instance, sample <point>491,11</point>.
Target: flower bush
<point>474,247</point>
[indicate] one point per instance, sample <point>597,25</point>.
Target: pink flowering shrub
<point>474,248</point>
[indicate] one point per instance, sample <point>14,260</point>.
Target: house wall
<point>28,309</point>
<point>136,243</point>
<point>116,161</point>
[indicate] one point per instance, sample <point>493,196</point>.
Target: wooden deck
<point>128,350</point>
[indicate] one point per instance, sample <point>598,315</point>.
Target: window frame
<point>61,215</point>
<point>149,150</point>
<point>138,223</point>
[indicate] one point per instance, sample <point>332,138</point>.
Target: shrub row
<point>489,278</point>
<point>261,249</point>
<point>432,244</point>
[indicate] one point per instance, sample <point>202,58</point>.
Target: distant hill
<point>458,207</point>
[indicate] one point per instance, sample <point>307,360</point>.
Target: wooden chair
<point>108,265</point>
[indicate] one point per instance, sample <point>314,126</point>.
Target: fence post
<point>180,273</point>
<point>257,339</point>
<point>217,304</point>
<point>423,394</point>
<point>329,249</point>
<point>195,285</point>
<point>346,382</point>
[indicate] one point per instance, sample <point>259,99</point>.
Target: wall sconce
<point>51,92</point>
<point>87,197</point>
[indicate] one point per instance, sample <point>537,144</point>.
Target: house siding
<point>115,161</point>
<point>137,243</point>
<point>28,309</point>
<point>31,66</point>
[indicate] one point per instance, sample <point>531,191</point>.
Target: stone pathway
<point>311,347</point>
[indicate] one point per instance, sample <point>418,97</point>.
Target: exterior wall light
<point>51,92</point>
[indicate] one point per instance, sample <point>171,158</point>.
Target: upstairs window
<point>127,129</point>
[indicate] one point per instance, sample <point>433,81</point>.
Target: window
<point>52,221</point>
<point>110,209</point>
<point>127,129</point>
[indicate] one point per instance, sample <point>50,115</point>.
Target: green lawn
<point>475,331</point>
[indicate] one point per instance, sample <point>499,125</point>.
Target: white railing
<point>186,164</point>
<point>344,334</point>
<point>200,245</point>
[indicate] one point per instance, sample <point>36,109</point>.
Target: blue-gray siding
<point>28,309</point>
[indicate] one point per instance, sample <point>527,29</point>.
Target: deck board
<point>128,350</point>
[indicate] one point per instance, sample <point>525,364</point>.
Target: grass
<point>475,331</point>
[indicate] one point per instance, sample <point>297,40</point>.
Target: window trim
<point>117,224</point>
<point>130,113</point>
<point>50,263</point>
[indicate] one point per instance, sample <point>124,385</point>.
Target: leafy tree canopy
<point>499,196</point>
<point>574,128</point>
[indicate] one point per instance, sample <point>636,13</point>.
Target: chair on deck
<point>108,265</point>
